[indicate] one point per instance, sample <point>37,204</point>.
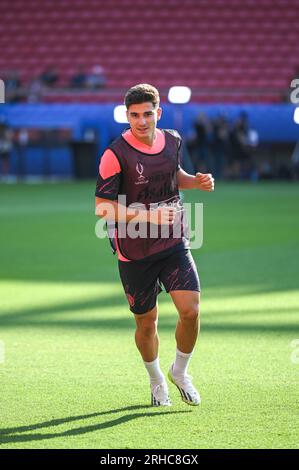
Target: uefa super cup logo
<point>141,179</point>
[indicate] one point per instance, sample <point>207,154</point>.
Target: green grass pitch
<point>70,373</point>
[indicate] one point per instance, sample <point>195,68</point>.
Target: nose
<point>142,121</point>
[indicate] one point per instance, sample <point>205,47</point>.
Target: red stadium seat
<point>207,45</point>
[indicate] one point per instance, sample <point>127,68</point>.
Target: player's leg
<point>181,280</point>
<point>188,325</point>
<point>146,335</point>
<point>187,304</point>
<point>142,288</point>
<point>147,342</point>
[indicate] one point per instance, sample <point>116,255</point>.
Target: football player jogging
<point>143,166</point>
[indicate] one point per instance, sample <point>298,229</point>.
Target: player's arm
<point>203,181</point>
<point>112,211</point>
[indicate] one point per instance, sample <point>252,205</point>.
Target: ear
<point>159,113</point>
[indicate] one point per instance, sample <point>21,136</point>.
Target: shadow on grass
<point>37,312</point>
<point>12,435</point>
<point>53,316</point>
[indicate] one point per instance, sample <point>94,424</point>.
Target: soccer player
<point>143,164</point>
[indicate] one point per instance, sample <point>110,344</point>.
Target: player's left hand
<point>204,181</point>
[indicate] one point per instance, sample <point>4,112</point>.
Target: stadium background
<point>236,58</point>
<point>62,308</point>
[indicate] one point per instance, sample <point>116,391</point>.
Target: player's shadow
<point>68,315</point>
<point>13,435</point>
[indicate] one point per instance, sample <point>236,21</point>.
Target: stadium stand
<point>226,50</point>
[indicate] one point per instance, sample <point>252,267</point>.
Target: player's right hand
<point>163,215</point>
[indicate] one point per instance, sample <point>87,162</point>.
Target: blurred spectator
<point>5,148</point>
<point>96,78</point>
<point>191,146</point>
<point>79,79</point>
<point>198,144</point>
<point>35,91</point>
<point>203,136</point>
<point>243,141</point>
<point>220,145</point>
<point>240,156</point>
<point>265,171</point>
<point>13,93</point>
<point>49,77</point>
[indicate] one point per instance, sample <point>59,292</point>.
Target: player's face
<point>143,119</point>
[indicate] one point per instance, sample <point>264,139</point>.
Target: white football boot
<point>159,394</point>
<point>186,388</point>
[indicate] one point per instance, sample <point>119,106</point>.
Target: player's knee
<point>148,329</point>
<point>147,325</point>
<point>190,312</point>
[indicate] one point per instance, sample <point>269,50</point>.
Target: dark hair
<point>142,93</point>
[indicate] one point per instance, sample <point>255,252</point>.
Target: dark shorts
<point>142,280</point>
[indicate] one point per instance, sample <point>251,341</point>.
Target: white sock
<point>155,374</point>
<point>181,363</point>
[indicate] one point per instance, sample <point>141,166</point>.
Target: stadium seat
<point>200,44</point>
